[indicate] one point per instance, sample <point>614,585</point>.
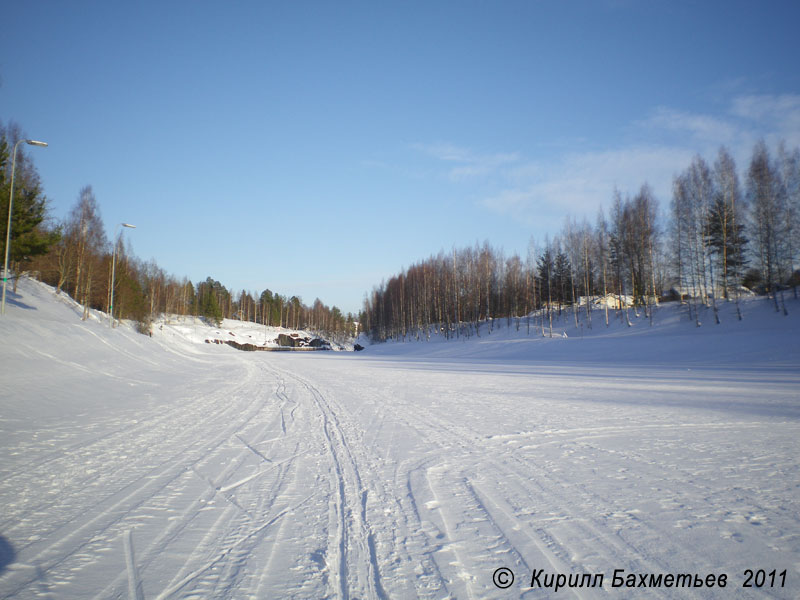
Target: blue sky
<point>316,148</point>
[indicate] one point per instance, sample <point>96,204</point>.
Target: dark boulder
<point>288,341</point>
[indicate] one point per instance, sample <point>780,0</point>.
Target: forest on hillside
<point>723,235</point>
<point>75,256</point>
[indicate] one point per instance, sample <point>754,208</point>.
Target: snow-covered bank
<point>176,329</point>
<point>763,336</point>
<point>165,467</point>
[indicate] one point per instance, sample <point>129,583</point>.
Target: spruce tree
<point>28,236</point>
<point>727,241</point>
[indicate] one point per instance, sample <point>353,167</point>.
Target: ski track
<point>285,480</point>
<point>353,537</point>
<point>455,502</point>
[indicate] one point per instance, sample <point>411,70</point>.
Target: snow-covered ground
<point>137,467</point>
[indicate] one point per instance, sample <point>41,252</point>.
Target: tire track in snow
<point>99,520</point>
<point>354,541</point>
<point>134,583</point>
<point>471,462</point>
<point>582,528</point>
<point>64,451</point>
<point>464,565</point>
<point>99,449</point>
<point>220,539</point>
<point>552,489</point>
<point>407,472</point>
<point>422,513</point>
<point>467,570</point>
<point>218,532</point>
<point>127,467</point>
<point>222,578</point>
<point>172,589</point>
<point>87,529</point>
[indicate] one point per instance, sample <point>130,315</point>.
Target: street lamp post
<point>113,269</point>
<point>10,205</point>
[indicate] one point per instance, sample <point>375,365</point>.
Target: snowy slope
<point>179,330</point>
<point>137,467</point>
<point>672,338</point>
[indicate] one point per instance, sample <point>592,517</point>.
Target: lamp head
<point>36,143</point>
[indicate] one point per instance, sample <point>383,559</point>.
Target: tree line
<point>723,235</point>
<point>75,256</point>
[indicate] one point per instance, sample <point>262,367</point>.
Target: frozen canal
<point>139,468</point>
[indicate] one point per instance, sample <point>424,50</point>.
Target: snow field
<point>161,468</point>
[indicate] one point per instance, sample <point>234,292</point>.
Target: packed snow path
<point>136,469</point>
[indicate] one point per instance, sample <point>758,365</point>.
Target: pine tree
<point>208,304</point>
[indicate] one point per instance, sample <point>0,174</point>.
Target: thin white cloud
<point>543,191</point>
<point>748,119</point>
<point>699,128</point>
<point>774,117</point>
<point>468,164</point>
<point>784,108</point>
<point>579,183</point>
<point>469,171</point>
<point>444,151</point>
